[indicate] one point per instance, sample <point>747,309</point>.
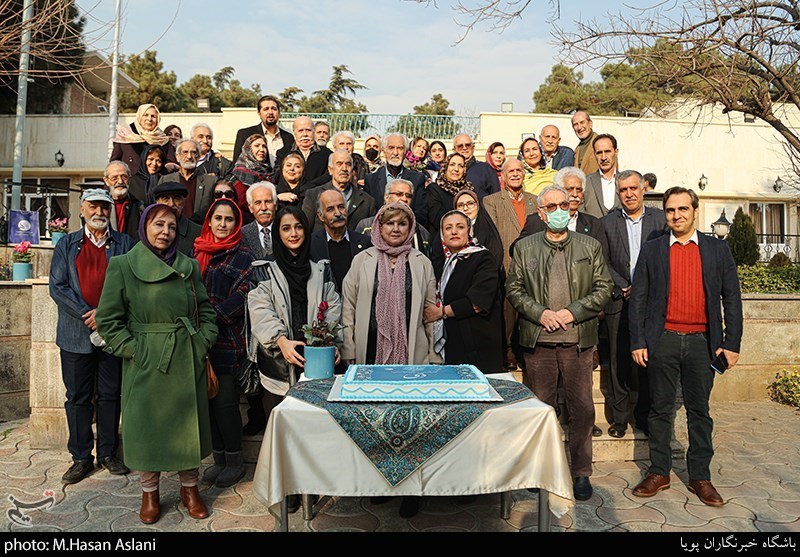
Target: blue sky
<point>402,51</point>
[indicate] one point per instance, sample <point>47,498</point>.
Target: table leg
<point>505,505</point>
<point>283,526</point>
<point>544,511</point>
<point>308,513</point>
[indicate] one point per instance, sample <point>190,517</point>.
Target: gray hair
<point>391,183</point>
<point>266,185</point>
<point>319,199</point>
<point>567,172</point>
<point>201,125</point>
<point>294,124</point>
<point>625,174</point>
<point>183,140</point>
<point>345,151</point>
<point>548,189</point>
<point>507,161</point>
<point>385,140</point>
<point>321,123</point>
<point>345,133</point>
<point>123,164</point>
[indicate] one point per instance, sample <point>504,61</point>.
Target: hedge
<point>757,279</point>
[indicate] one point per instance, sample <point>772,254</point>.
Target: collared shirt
<point>609,191</point>
<point>549,159</point>
<point>634,228</point>
<point>98,242</point>
<point>274,143</point>
<point>693,238</point>
<point>261,238</point>
<point>346,236</point>
<point>573,222</point>
<point>389,177</point>
<point>347,192</point>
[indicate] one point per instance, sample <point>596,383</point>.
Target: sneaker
<point>114,465</point>
<point>79,470</point>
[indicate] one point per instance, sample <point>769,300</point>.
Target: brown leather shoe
<point>652,484</point>
<point>151,511</point>
<point>706,492</point>
<point>190,498</point>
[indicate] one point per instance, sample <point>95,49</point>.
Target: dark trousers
<point>84,376</point>
<point>543,365</point>
<point>681,358</point>
<point>621,369</point>
<point>226,420</point>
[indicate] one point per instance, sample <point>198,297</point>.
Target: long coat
<point>148,317</point>
<point>357,292</point>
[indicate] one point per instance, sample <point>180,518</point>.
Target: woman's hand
<point>338,357</point>
<point>289,350</point>
<point>431,313</point>
<point>287,197</point>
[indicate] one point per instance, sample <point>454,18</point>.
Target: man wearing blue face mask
<point>558,282</point>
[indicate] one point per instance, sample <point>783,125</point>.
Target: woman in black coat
<point>467,317</point>
<point>131,139</point>
<point>452,178</point>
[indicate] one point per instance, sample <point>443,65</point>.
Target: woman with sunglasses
<point>224,190</point>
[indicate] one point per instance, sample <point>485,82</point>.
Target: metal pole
<point>112,101</point>
<point>22,101</point>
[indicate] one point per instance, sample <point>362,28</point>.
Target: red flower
<point>321,310</point>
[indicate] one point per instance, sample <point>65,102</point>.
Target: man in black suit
<point>627,230</point>
<point>257,235</point>
<point>173,193</point>
<point>199,187</point>
<point>269,111</point>
<point>126,210</point>
<point>210,162</point>
<point>676,327</point>
<point>395,146</point>
<point>601,194</point>
<point>316,157</point>
<point>359,204</point>
<point>335,242</point>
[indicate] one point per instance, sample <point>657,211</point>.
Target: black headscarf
<point>148,215</point>
<point>296,268</point>
<point>143,175</point>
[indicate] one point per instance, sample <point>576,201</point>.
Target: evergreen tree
<point>155,85</point>
<point>742,240</point>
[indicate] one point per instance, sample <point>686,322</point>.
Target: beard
<point>97,223</point>
<point>188,165</point>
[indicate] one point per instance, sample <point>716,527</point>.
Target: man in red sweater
<point>676,329</point>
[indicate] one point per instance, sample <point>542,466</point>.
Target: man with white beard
<point>200,188</point>
<point>77,273</point>
<point>127,209</point>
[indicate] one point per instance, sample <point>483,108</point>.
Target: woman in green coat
<point>154,313</point>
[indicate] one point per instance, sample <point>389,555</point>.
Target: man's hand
<point>338,357</point>
<point>626,292</point>
<point>431,313</point>
<point>550,320</point>
<point>565,317</point>
<point>640,357</point>
<point>732,357</point>
<point>88,319</point>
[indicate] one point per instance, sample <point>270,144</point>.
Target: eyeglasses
<point>549,208</point>
<point>230,194</point>
<point>466,205</point>
<point>462,145</point>
<point>402,194</point>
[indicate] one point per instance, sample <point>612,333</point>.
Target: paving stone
<point>615,517</point>
<point>776,489</point>
<point>789,508</point>
<point>773,527</point>
<point>730,509</point>
<point>585,519</point>
<point>461,520</point>
<point>763,510</point>
<point>734,524</point>
<point>746,489</point>
<point>221,521</point>
<point>710,527</point>
<point>676,514</point>
<point>100,519</point>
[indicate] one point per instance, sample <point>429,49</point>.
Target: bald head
<point>514,174</point>
<point>550,138</point>
<point>332,211</point>
<point>463,145</point>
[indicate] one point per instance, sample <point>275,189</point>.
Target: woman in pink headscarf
<point>131,140</point>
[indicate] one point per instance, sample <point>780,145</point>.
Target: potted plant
<point>22,267</point>
<point>319,351</point>
<point>57,229</point>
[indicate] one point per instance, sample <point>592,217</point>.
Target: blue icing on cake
<point>384,383</point>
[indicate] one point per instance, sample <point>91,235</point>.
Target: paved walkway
<point>756,469</point>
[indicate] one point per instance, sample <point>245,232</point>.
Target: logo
<point>17,515</point>
<point>24,225</point>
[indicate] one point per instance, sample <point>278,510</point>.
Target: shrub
<point>780,259</point>
<point>769,280</point>
<point>786,388</point>
<point>742,240</point>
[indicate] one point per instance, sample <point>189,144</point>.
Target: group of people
<point>187,262</point>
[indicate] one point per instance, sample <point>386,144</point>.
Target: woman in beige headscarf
<point>131,139</point>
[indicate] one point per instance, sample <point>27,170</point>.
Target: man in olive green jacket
<point>558,282</point>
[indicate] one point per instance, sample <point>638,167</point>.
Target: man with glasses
<point>482,176</point>
<point>559,283</point>
<point>199,188</point>
<point>400,191</point>
<point>127,209</point>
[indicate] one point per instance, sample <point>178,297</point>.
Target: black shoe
<point>79,470</point>
<point>582,488</point>
<point>114,466</point>
<point>596,431</point>
<point>293,503</point>
<point>617,430</point>
<point>254,428</point>
<point>409,506</point>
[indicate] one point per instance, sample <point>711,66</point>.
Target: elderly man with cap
<point>91,376</point>
<point>174,194</point>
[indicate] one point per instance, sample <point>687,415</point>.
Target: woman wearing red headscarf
<point>225,267</point>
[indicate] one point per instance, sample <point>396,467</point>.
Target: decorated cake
<point>398,383</point>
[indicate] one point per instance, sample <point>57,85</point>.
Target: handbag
<point>212,383</point>
<point>247,374</point>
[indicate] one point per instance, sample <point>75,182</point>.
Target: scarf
<point>490,162</point>
<point>148,215</point>
<point>413,162</point>
<point>528,168</point>
<point>249,170</point>
<point>295,268</point>
<point>137,134</point>
<point>150,181</point>
<point>451,187</point>
<point>206,245</point>
<point>450,262</point>
<point>390,302</point>
<point>378,162</point>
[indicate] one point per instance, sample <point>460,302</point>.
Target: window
<point>48,196</point>
<point>769,220</point>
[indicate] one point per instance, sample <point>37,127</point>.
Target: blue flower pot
<point>21,271</point>
<point>56,236</point>
<point>319,361</point>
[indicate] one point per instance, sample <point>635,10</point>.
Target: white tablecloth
<point>514,446</point>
